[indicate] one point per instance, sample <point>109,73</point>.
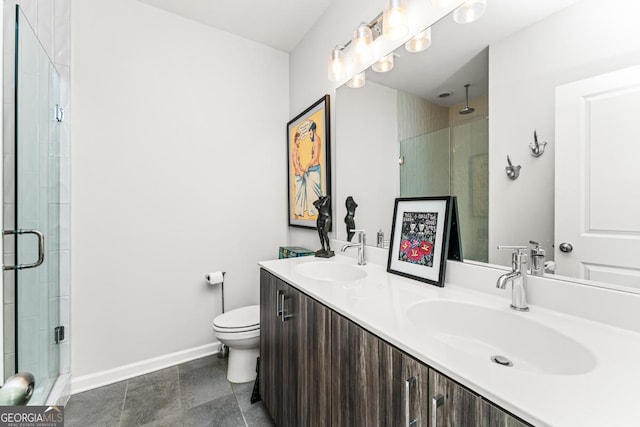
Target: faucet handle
<point>537,259</point>
<point>361,236</point>
<point>519,255</point>
<point>537,248</point>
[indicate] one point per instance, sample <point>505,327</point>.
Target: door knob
<point>566,247</point>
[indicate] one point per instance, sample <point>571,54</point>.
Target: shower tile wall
<point>51,21</point>
<point>470,178</point>
<point>456,149</point>
<point>417,116</point>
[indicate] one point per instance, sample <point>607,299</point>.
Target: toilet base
<point>242,364</point>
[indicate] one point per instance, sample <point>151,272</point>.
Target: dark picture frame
<point>308,163</point>
<point>424,234</point>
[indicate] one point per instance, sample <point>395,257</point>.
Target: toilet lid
<point>240,318</point>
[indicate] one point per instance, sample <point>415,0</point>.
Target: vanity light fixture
<point>419,42</point>
<point>362,39</point>
<point>392,23</point>
<point>384,64</point>
<point>357,81</point>
<point>337,68</point>
<point>470,11</point>
<point>395,22</point>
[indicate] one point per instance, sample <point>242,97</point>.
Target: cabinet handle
<point>436,402</point>
<point>283,300</point>
<point>279,299</point>
<point>407,402</point>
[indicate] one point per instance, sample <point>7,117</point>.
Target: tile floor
<point>195,393</point>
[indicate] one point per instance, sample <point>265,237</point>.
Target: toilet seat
<point>239,330</point>
<point>243,319</point>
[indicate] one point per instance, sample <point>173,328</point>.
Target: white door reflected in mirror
<point>597,205</point>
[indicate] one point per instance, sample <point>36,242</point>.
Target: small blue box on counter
<point>293,252</point>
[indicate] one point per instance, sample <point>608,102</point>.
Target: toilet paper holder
<point>224,350</point>
<point>221,285</point>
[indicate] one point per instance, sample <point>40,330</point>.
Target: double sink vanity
<point>344,344</point>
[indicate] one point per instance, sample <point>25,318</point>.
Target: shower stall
<point>453,161</point>
<point>35,239</point>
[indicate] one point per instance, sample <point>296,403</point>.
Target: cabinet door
<point>374,365</point>
<point>415,380</point>
<point>373,383</point>
<point>271,385</point>
<point>289,300</point>
<point>279,349</point>
<point>361,392</point>
<point>343,392</point>
<point>313,335</point>
<point>492,416</point>
<point>452,405</point>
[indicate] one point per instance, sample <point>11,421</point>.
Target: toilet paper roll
<point>215,277</point>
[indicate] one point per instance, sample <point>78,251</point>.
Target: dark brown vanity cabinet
<point>318,368</point>
<point>295,355</point>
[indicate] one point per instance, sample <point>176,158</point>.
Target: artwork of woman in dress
<point>307,170</point>
<point>418,237</point>
<point>308,145</point>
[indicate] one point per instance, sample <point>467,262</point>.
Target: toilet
<point>239,330</point>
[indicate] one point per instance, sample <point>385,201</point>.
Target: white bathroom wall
<point>367,119</point>
<point>589,38</point>
<point>177,127</point>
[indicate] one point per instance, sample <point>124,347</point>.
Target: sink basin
<point>330,271</point>
<point>483,332</point>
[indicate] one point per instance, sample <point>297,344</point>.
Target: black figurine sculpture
<point>323,204</point>
<point>349,218</point>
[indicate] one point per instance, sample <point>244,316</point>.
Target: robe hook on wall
<point>512,171</point>
<point>537,148</point>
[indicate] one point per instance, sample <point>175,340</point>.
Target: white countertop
<point>606,395</point>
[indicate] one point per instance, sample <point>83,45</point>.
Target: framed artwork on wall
<point>424,235</point>
<point>308,163</point>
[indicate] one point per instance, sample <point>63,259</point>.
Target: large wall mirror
<point>411,132</point>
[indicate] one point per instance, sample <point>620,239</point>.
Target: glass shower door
<point>453,161</point>
<point>37,207</point>
<point>426,167</point>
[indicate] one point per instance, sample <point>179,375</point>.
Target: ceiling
<point>280,24</point>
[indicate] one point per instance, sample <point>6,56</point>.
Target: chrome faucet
<point>360,245</point>
<point>517,277</point>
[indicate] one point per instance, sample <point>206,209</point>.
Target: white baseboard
<point>110,376</point>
